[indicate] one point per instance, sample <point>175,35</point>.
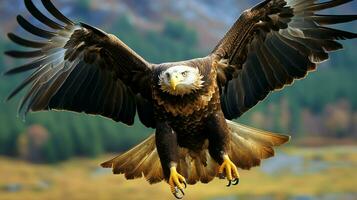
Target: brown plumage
<point>248,147</point>
<point>81,68</point>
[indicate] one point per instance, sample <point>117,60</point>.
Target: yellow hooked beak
<point>173,82</point>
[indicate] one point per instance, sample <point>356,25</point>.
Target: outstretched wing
<point>80,68</point>
<point>270,46</point>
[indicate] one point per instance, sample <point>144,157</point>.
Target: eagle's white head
<point>180,80</point>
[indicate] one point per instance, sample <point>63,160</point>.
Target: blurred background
<point>57,155</point>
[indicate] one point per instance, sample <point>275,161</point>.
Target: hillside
<point>210,18</point>
<point>323,106</point>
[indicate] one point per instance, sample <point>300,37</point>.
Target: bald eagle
<point>77,67</point>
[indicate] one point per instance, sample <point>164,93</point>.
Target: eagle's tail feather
<point>248,146</point>
<point>142,160</point>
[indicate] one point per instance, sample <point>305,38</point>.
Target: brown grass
<point>75,180</point>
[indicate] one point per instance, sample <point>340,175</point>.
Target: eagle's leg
<point>219,137</point>
<point>177,183</point>
<point>230,170</point>
<point>166,144</point>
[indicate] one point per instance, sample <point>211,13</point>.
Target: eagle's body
<point>187,115</point>
<point>196,118</point>
<point>81,68</point>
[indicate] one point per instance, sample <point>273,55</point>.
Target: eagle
<point>190,104</point>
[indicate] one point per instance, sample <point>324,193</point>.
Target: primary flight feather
<point>78,67</point>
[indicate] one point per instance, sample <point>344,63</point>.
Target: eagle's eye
<point>184,74</point>
<point>168,75</point>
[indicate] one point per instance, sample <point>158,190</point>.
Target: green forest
<point>327,96</point>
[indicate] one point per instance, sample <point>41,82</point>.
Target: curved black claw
<point>235,181</point>
<point>179,194</point>
<point>229,183</point>
<point>184,182</point>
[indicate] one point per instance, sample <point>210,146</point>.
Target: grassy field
<point>321,171</point>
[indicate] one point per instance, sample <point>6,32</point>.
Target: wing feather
<point>41,17</point>
<point>55,12</point>
<point>33,29</point>
<point>273,44</point>
<point>24,42</point>
<point>80,68</point>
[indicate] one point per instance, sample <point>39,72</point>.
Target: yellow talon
<point>231,171</point>
<point>177,183</point>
